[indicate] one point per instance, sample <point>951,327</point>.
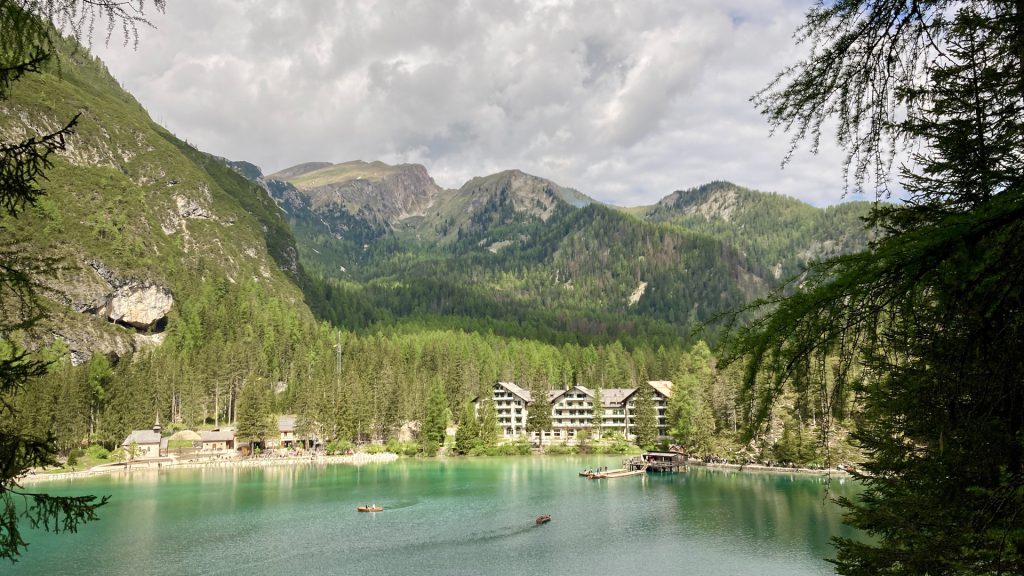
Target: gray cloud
<point>625,101</point>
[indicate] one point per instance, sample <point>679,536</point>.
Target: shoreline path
<point>170,463</point>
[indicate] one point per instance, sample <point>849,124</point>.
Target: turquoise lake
<point>451,516</point>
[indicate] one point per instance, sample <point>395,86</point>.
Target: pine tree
<point>538,411</point>
<point>435,420</point>
<point>488,429</point>
<point>28,42</point>
<point>254,421</point>
<point>702,435</point>
<point>688,408</point>
<point>467,435</point>
<point>645,418</point>
<point>597,423</point>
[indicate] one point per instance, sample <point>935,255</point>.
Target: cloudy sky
<point>623,100</point>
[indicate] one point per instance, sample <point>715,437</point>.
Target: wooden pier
<point>647,462</point>
<point>617,473</point>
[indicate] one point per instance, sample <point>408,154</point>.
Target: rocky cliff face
<point>375,192</point>
<point>716,200</point>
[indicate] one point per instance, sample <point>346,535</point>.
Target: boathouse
<point>657,462</point>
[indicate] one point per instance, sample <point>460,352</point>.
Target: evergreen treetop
<point>924,327</point>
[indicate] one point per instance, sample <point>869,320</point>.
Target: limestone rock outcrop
<point>141,307</point>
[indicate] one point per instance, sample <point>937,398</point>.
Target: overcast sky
<point>625,101</point>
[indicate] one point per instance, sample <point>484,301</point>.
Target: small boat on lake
<point>587,473</point>
<point>543,518</point>
<point>373,508</point>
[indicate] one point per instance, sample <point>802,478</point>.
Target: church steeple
<point>156,426</point>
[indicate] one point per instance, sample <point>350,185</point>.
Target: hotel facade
<point>572,411</point>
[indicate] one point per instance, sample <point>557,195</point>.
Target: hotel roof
<point>662,386</point>
<point>518,391</point>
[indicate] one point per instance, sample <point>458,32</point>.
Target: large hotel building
<point>572,411</point>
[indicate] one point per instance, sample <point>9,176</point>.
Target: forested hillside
<point>523,256</point>
<point>773,231</point>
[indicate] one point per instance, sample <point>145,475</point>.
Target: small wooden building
<point>664,461</point>
<point>658,462</point>
<point>218,440</point>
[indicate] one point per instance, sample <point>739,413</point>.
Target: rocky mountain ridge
<point>378,193</point>
<point>521,241</point>
<point>778,232</point>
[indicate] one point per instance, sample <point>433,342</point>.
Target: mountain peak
<point>717,199</point>
<point>378,192</point>
<point>528,194</point>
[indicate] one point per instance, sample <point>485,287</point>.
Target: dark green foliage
<point>598,420</point>
<point>538,411</point>
<point>794,446</point>
<point>435,420</point>
<point>645,425</point>
<point>468,432</point>
<point>925,327</point>
<point>687,406</point>
<point>488,429</point>
<point>254,421</point>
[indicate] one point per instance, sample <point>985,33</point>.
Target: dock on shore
<point>647,462</point>
<point>658,462</point>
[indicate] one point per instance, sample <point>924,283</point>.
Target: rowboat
<point>543,518</point>
<point>373,508</point>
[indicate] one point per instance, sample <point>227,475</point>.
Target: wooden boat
<point>543,518</point>
<point>373,508</point>
<point>586,473</point>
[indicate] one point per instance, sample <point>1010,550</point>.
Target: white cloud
<point>625,101</point>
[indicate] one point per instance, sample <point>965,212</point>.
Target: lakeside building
<point>288,437</point>
<point>217,440</point>
<point>286,431</point>
<point>572,411</point>
<point>147,443</point>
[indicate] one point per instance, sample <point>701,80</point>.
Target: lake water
<point>454,516</point>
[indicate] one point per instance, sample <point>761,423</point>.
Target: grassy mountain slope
<point>132,200</point>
